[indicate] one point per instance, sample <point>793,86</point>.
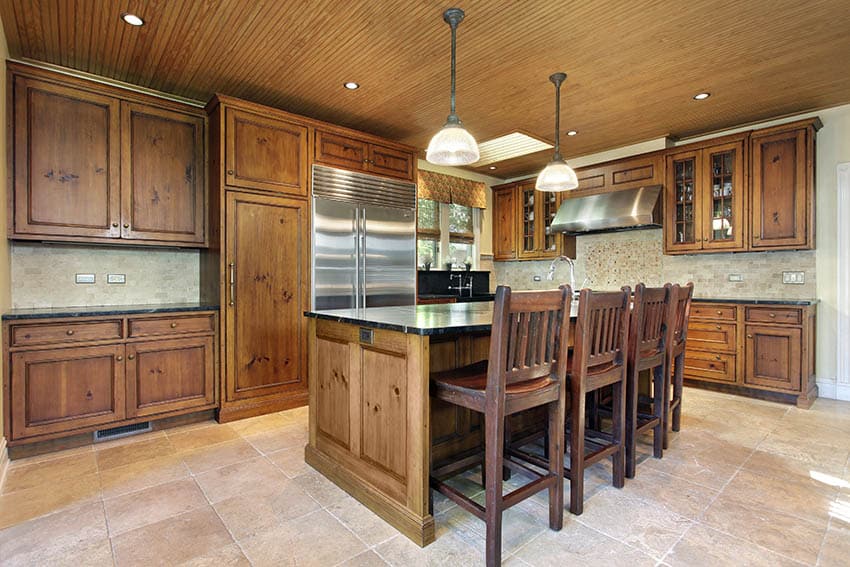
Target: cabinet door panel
<point>527,213</point>
<point>162,176</point>
<point>169,375</point>
<point>773,357</point>
<point>333,149</point>
<point>267,249</point>
<point>683,210</point>
<point>266,154</point>
<point>779,188</point>
<point>66,161</point>
<point>389,161</point>
<point>334,378</point>
<point>64,389</point>
<point>504,224</point>
<point>384,408</point>
<point>723,191</point>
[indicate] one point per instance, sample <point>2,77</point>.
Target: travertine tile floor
<point>745,483</point>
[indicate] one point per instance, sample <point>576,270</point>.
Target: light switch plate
<point>116,278</point>
<point>84,278</point>
<point>794,278</point>
<point>736,277</point>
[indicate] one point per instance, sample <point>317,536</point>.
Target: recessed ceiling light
<point>572,133</point>
<point>351,85</point>
<point>492,167</point>
<point>701,96</point>
<point>132,19</point>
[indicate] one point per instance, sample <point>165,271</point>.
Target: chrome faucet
<point>571,262</point>
<point>460,287</point>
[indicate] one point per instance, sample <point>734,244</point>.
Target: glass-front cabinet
<point>705,199</point>
<point>537,210</point>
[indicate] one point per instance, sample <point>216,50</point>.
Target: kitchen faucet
<point>571,262</point>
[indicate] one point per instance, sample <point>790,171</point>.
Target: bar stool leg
<point>631,421</point>
<point>618,418</point>
<point>556,463</point>
<point>493,462</point>
<point>659,408</point>
<point>577,399</point>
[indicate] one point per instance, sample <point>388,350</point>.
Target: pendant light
<point>452,145</point>
<point>557,175</point>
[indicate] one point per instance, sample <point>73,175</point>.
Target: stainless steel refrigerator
<point>364,240</point>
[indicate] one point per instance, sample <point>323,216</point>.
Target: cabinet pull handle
<point>719,312</point>
<point>132,356</point>
<point>749,336</point>
<point>126,225</point>
<point>773,315</point>
<point>232,283</point>
<point>119,358</point>
<point>229,172</point>
<point>174,325</point>
<point>115,225</point>
<point>718,327</point>
<point>69,332</point>
<point>717,357</point>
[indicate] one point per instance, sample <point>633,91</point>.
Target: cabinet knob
<point>115,225</point>
<point>749,336</point>
<point>718,327</point>
<point>119,358</point>
<point>229,172</point>
<point>719,312</point>
<point>126,225</point>
<point>174,325</point>
<point>131,356</point>
<point>773,315</point>
<point>717,357</point>
<point>69,332</point>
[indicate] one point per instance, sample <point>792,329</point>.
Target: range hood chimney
<point>629,209</point>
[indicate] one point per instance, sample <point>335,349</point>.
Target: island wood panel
<point>163,192</point>
<point>62,389</point>
<point>267,253</point>
<point>168,375</point>
<point>266,153</point>
<point>385,463</point>
<point>66,161</point>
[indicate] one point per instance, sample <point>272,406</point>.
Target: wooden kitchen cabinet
<point>628,173</point>
<point>348,152</point>
<point>96,163</point>
<point>782,186</point>
<point>267,291</point>
<point>79,374</point>
<point>705,197</point>
<point>522,220</point>
<point>504,223</point>
<point>764,350</point>
<point>266,153</point>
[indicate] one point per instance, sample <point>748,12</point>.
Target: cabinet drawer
<point>788,316</point>
<point>704,311</point>
<point>43,334</point>
<point>177,325</point>
<point>717,367</point>
<point>712,336</point>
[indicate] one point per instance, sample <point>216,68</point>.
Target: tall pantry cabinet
<point>258,263</point>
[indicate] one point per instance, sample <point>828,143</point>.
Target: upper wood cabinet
<point>638,171</point>
<point>706,189</point>
<point>265,153</point>
<point>522,218</point>
<point>782,186</point>
<point>95,163</point>
<point>361,155</point>
<point>504,223</point>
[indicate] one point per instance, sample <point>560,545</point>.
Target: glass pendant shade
<point>452,145</point>
<point>556,176</point>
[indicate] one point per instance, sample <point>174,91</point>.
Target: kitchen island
<point>374,430</point>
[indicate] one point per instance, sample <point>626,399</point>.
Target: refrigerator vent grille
<point>353,187</point>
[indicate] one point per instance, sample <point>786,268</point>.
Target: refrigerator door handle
<point>357,253</point>
<point>362,231</point>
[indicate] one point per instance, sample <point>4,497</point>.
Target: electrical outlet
<point>736,277</point>
<point>794,278</point>
<point>116,278</point>
<point>84,278</point>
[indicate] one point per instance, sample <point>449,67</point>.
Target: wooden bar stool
<point>676,360</point>
<point>650,333</point>
<point>526,369</point>
<point>598,360</point>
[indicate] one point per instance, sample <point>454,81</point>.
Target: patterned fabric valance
<point>450,189</point>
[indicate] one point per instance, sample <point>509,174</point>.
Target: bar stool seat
<point>472,381</point>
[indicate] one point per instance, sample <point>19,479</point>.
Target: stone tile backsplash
<point>608,261</point>
<point>43,275</point>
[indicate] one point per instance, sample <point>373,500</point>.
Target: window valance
<point>450,189</point>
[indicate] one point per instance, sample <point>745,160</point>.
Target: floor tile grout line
<point>220,519</point>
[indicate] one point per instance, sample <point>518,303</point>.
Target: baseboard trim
<point>4,460</point>
<point>842,392</point>
<point>826,388</point>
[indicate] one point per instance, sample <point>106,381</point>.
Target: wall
<point>5,269</point>
<point>610,254</point>
<point>43,275</point>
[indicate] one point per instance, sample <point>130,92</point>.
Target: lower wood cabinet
<point>764,350</point>
<point>69,376</point>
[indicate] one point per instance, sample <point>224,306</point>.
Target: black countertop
<point>459,298</point>
<point>756,301</point>
<point>441,319</point>
<point>105,310</point>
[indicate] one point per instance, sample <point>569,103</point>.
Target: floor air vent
<point>123,431</point>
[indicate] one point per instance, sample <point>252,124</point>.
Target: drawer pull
<point>718,327</point>
<point>119,358</point>
<point>749,336</point>
<point>717,357</point>
<point>773,315</point>
<point>174,325</point>
<point>89,395</point>
<point>719,312</point>
<point>131,356</point>
<point>69,332</point>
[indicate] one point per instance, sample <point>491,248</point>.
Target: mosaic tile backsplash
<point>608,261</point>
<point>43,275</point>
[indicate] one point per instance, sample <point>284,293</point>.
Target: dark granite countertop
<point>459,298</point>
<point>756,301</point>
<point>441,319</point>
<point>105,310</point>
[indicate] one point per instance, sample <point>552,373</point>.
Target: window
<point>451,228</point>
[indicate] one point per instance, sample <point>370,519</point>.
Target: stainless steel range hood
<point>629,209</point>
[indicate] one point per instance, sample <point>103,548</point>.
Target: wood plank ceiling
<point>633,66</point>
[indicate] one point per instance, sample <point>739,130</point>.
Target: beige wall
<point>5,268</point>
<point>762,270</point>
<point>43,275</point>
